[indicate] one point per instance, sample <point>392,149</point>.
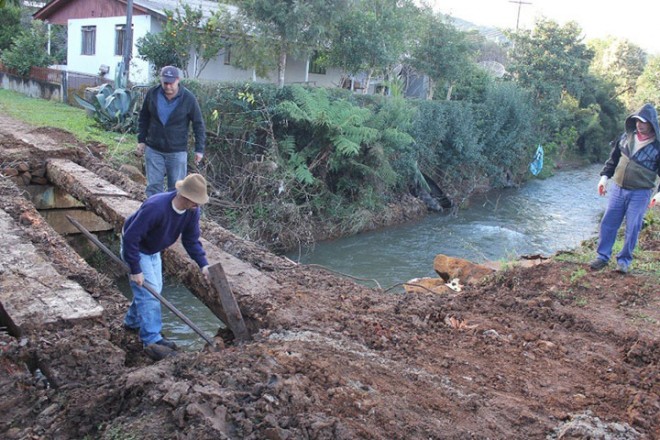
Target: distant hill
<point>490,33</point>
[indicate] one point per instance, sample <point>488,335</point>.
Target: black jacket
<point>638,171</point>
<point>173,136</point>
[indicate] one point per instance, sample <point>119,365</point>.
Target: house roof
<point>60,11</point>
<point>160,6</point>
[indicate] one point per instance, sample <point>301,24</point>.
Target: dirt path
<point>547,352</point>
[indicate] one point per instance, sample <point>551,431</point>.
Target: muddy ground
<point>547,352</point>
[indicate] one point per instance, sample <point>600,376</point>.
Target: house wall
<point>140,71</point>
<point>105,46</point>
<point>217,70</point>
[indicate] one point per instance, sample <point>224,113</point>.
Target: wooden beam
<point>229,304</point>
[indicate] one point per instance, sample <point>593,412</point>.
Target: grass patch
<point>577,275</point>
<point>645,261</point>
<point>44,113</point>
<point>581,301</point>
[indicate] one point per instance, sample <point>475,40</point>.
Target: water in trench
<point>188,304</point>
<point>542,217</point>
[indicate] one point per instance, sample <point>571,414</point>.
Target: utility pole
<point>519,3</point>
<point>128,40</point>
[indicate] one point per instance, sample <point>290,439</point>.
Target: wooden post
<point>234,317</point>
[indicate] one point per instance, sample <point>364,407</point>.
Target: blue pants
<point>145,311</point>
<point>158,165</point>
<point>628,203</point>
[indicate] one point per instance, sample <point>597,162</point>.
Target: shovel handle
<point>150,289</point>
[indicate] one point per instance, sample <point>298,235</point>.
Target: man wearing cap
<point>633,167</point>
<point>155,226</point>
<point>166,114</point>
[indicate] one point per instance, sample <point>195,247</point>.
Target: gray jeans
<point>159,165</point>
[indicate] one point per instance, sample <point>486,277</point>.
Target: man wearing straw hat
<point>155,226</point>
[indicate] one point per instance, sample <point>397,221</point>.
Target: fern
<point>345,145</point>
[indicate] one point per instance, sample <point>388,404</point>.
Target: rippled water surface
<point>542,217</point>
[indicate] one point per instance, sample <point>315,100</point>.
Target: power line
<point>519,3</point>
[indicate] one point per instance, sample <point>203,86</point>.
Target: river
<point>542,217</point>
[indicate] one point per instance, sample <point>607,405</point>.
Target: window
<point>315,64</point>
<point>88,40</point>
<point>120,34</point>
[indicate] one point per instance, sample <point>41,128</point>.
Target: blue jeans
<point>145,310</point>
<point>158,165</point>
<point>628,203</point>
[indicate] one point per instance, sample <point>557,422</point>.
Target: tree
<point>648,84</point>
<point>619,62</point>
<point>188,40</point>
<point>28,49</point>
<point>10,3</point>
<point>277,29</point>
<point>372,36</point>
<point>443,52</point>
<point>553,62</point>
<point>10,26</point>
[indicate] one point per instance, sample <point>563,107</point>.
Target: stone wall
<point>31,87</point>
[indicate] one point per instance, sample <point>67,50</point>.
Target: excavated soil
<point>547,352</point>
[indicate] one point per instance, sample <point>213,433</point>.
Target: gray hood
<point>648,112</point>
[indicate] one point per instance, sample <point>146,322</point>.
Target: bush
<point>28,49</point>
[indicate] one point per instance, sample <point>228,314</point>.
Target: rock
<point>429,285</point>
<point>133,173</point>
<point>467,272</point>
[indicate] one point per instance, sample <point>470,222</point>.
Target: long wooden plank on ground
<point>32,292</point>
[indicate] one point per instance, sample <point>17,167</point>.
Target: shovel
<point>160,298</point>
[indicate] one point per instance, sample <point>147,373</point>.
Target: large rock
<point>466,271</point>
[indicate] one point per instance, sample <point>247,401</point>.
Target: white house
<point>96,30</point>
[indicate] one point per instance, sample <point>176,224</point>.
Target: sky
<point>637,21</point>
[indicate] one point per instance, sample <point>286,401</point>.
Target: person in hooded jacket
<point>633,168</point>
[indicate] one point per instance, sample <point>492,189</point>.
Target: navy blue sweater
<point>156,226</point>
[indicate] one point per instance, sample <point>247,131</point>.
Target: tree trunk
<point>449,90</point>
<point>367,81</point>
<point>281,68</point>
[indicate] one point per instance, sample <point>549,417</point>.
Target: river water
<point>542,217</point>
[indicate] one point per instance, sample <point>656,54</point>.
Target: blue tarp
<point>537,164</point>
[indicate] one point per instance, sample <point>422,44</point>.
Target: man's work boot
<point>167,343</point>
<point>159,352</point>
<point>598,264</point>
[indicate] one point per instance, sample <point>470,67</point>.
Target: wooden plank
<point>57,219</point>
<point>32,292</point>
<point>79,181</point>
<point>233,312</point>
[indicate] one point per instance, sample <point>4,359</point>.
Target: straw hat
<point>193,188</point>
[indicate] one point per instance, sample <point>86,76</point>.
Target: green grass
<point>44,113</point>
<point>644,260</point>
